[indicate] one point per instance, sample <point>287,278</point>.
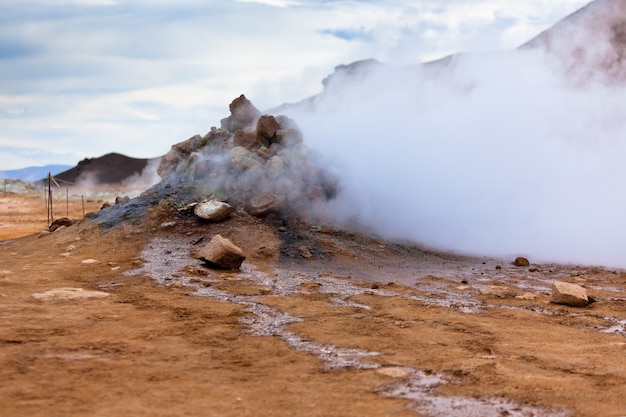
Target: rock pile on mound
<point>254,160</point>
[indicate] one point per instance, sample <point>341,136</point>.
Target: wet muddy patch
<point>420,388</point>
<point>169,261</point>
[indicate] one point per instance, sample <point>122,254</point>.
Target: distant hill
<point>32,174</point>
<point>112,168</point>
<point>590,43</point>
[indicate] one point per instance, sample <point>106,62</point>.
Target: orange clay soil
<point>363,327</point>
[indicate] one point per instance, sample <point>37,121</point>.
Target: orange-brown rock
<point>243,114</point>
<point>569,294</point>
<point>222,253</point>
<point>247,138</point>
<point>267,126</point>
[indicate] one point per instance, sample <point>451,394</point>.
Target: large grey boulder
<point>222,253</point>
<point>569,294</point>
<point>242,159</point>
<point>179,151</point>
<point>213,210</point>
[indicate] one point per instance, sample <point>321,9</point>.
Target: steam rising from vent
<point>490,154</point>
<point>112,173</point>
<point>496,154</point>
<point>145,179</point>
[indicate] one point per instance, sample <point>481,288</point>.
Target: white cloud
<point>62,3</point>
<point>274,3</point>
<point>177,65</point>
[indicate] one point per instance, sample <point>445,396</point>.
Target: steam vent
<point>253,160</point>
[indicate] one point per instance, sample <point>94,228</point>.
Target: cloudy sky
<point>81,78</point>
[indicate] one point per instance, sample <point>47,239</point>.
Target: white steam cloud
<point>142,181</point>
<point>488,154</point>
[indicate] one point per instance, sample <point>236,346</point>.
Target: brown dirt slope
<point>364,327</point>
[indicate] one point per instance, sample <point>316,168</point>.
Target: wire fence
<point>49,199</point>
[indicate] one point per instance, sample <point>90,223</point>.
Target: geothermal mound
<point>253,160</point>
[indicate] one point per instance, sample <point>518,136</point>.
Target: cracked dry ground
<point>365,327</point>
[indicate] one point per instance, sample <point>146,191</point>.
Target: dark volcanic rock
<point>521,261</point>
<point>63,221</point>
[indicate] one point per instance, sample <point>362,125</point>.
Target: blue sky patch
<point>350,34</point>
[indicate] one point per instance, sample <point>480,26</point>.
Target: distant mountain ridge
<point>32,174</point>
<point>112,168</point>
<point>589,44</point>
<point>586,46</point>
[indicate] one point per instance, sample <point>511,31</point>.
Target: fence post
<point>50,213</point>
